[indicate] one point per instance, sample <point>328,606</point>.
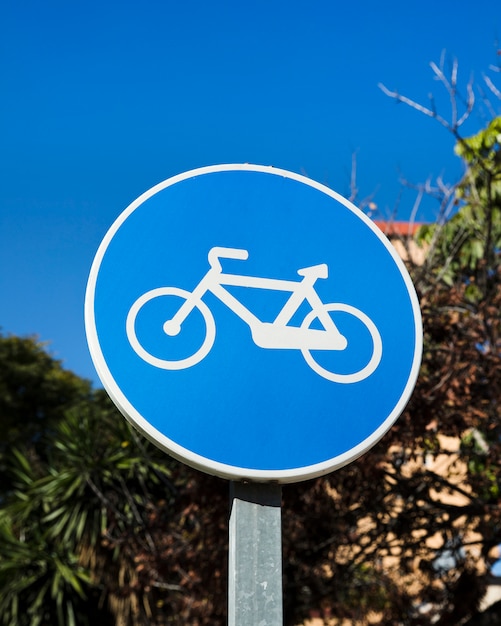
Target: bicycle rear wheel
<point>376,350</point>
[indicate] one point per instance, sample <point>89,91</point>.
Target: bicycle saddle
<point>318,271</point>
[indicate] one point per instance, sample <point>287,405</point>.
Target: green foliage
<point>481,151</point>
<point>35,393</point>
<point>483,472</point>
<point>41,580</point>
<point>97,525</point>
<point>34,388</point>
<point>98,479</point>
<point>468,246</point>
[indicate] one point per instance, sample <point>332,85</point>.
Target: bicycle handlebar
<point>218,252</point>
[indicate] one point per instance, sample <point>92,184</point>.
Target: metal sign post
<point>255,555</point>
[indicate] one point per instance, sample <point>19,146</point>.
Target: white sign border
<point>187,456</point>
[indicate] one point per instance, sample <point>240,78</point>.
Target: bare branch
<point>440,75</point>
<point>449,86</point>
<point>432,104</point>
<point>470,103</point>
<point>415,105</point>
<point>417,204</point>
<point>450,81</point>
<point>491,86</point>
<point>368,201</point>
<point>487,103</point>
<point>442,57</point>
<point>353,178</point>
<point>454,73</point>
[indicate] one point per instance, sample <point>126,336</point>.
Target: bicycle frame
<point>276,334</point>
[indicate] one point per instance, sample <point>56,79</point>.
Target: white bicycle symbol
<point>273,335</point>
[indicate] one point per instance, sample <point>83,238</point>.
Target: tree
<point>405,533</point>
<point>97,524</point>
<point>35,391</point>
<point>466,247</point>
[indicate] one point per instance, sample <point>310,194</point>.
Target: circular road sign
<point>253,323</point>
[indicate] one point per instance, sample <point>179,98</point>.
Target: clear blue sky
<point>102,100</point>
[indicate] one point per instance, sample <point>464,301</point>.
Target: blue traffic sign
<point>253,323</point>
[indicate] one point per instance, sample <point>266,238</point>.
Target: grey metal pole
<point>255,555</point>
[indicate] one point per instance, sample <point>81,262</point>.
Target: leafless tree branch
<point>415,105</point>
<point>450,83</point>
<point>491,86</point>
<point>368,201</point>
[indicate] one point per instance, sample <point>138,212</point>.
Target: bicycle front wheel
<point>156,308</point>
<point>372,354</point>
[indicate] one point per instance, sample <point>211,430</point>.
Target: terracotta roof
<point>399,229</point>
